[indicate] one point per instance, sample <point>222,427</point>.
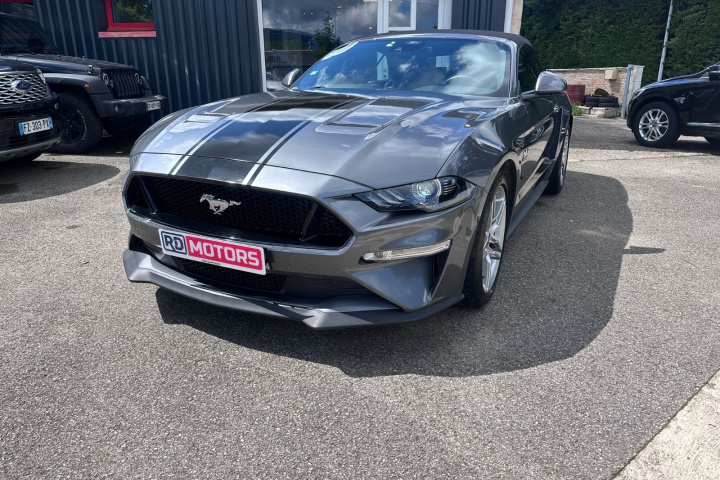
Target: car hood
<point>64,63</point>
<point>376,141</point>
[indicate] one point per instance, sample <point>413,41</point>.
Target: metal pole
<point>628,77</point>
<point>667,30</point>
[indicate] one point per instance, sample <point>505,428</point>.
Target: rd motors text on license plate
<point>26,128</point>
<point>216,252</point>
<point>152,106</point>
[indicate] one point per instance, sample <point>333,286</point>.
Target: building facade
<point>198,51</point>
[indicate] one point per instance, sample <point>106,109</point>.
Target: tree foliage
<point>613,33</point>
<point>133,11</point>
<point>326,38</point>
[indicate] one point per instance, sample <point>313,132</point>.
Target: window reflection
<point>299,32</point>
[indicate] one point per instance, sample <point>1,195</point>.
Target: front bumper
<point>130,106</point>
<point>339,312</point>
<point>13,153</point>
<point>330,287</point>
<point>15,145</point>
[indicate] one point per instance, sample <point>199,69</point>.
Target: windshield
<point>452,66</point>
<point>18,35</point>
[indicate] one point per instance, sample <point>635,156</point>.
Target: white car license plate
<point>216,252</point>
<point>26,128</point>
<point>153,105</point>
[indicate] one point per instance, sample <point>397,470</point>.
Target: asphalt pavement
<point>604,325</point>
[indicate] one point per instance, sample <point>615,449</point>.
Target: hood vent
<point>379,112</point>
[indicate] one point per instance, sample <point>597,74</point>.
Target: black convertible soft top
<point>517,39</point>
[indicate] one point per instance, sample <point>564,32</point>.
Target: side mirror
<point>549,83</point>
<point>290,78</point>
<point>714,76</point>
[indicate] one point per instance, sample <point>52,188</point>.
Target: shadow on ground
<point>39,179</point>
<point>612,134</point>
<point>555,295</point>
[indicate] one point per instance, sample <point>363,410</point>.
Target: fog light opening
<point>401,253</point>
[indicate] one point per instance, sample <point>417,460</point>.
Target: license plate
<point>153,105</point>
<point>216,252</point>
<point>26,128</point>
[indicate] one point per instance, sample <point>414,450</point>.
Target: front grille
<point>276,216</point>
<point>37,92</point>
<point>125,83</point>
<point>271,282</point>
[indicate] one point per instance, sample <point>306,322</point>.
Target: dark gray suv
<point>27,111</point>
<point>93,94</point>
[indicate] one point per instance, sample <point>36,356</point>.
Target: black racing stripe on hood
<point>246,140</point>
<point>250,137</point>
<point>218,169</point>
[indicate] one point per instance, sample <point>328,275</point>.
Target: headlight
<point>108,82</point>
<point>637,93</point>
<point>429,196</point>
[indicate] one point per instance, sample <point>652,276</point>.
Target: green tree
<point>695,41</point>
<point>613,33</point>
<point>133,11</point>
<point>326,38</point>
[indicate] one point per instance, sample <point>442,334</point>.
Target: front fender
<point>87,83</point>
<point>481,154</point>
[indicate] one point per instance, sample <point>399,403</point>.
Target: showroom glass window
<point>19,8</point>
<point>298,33</point>
<point>129,15</point>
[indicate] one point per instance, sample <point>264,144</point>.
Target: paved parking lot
<point>604,325</point>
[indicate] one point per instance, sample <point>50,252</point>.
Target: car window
<point>528,70</point>
<point>454,66</point>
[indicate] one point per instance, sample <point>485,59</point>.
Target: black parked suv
<point>26,113</point>
<point>689,105</point>
<point>93,94</point>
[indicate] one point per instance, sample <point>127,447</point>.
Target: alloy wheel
<point>73,125</point>
<point>653,125</point>
<point>494,239</point>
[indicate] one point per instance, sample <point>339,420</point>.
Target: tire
<point>714,141</point>
<point>128,128</point>
<point>483,271</point>
<point>557,176</point>
<point>81,127</point>
<point>610,102</point>
<point>667,125</point>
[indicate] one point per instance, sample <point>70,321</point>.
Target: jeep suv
<point>26,113</point>
<point>93,94</point>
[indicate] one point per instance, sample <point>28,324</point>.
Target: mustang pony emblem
<point>217,205</point>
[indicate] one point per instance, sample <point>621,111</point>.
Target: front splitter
<point>340,312</point>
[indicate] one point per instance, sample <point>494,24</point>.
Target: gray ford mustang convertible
<point>379,188</point>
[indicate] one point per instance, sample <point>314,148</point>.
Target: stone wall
<point>594,78</point>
